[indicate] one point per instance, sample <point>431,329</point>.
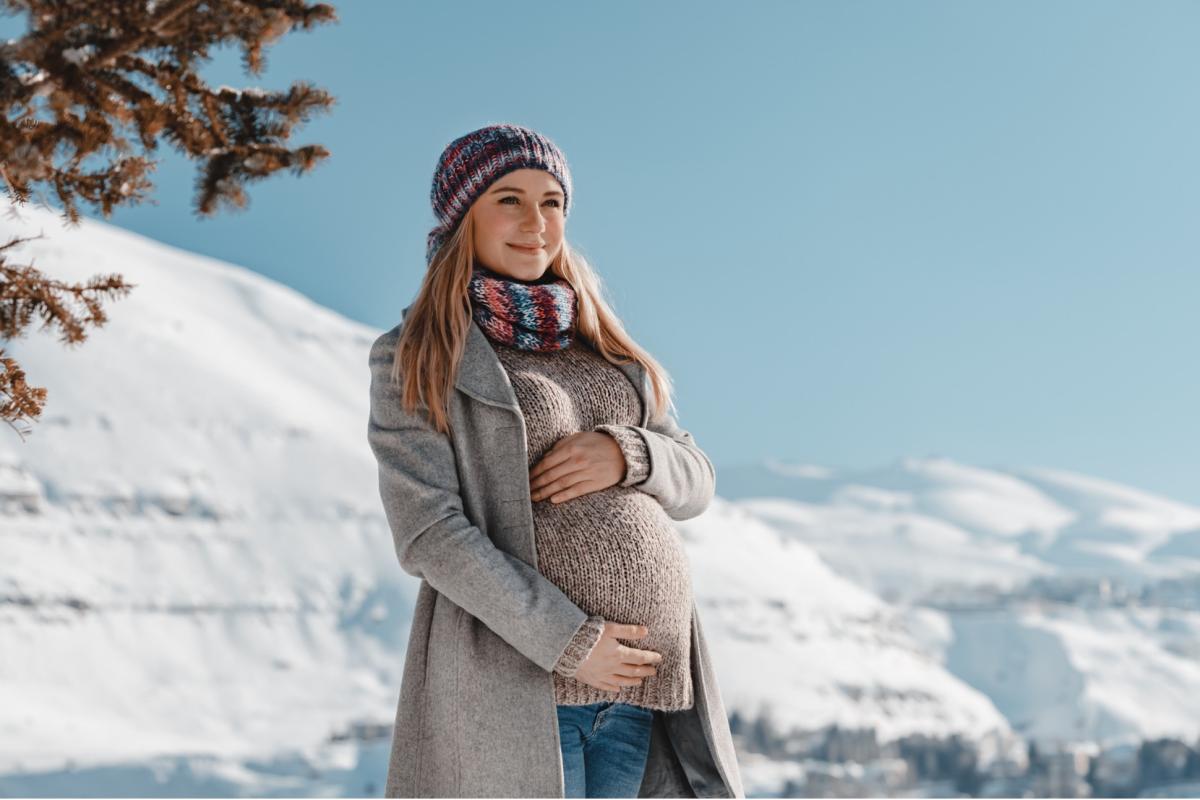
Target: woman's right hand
<point>611,665</point>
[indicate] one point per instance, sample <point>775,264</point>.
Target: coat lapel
<point>481,375</point>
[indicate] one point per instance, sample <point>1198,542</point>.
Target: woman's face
<point>524,207</point>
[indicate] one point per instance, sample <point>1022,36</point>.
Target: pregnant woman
<point>531,482</point>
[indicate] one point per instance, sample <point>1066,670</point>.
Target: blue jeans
<point>604,748</point>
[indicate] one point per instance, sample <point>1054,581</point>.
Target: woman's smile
<point>526,250</point>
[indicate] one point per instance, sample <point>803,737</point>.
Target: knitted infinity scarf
<point>528,315</point>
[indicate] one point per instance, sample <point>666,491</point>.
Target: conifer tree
<point>90,90</point>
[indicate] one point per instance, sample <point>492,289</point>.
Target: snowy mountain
<point>811,648</point>
<point>945,522</point>
<point>198,591</point>
<point>195,562</point>
<point>1071,602</point>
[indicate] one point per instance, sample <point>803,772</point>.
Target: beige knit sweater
<point>615,552</point>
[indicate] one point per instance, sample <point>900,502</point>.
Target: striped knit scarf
<point>528,315</point>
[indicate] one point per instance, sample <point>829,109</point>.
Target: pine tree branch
<point>70,86</point>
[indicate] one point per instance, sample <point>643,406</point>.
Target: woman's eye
<point>514,197</point>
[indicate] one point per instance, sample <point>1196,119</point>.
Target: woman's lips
<point>527,250</point>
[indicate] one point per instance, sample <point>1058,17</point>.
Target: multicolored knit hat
<point>472,163</point>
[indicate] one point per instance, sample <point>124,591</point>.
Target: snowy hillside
<point>810,647</point>
<point>1057,595</point>
<point>198,592</point>
<point>195,560</point>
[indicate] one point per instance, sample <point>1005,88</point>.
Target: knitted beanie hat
<point>472,163</point>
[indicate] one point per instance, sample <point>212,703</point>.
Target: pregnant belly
<point>615,553</point>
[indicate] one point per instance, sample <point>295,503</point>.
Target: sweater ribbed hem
<point>652,693</point>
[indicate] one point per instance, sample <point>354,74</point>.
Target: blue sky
<point>852,231</point>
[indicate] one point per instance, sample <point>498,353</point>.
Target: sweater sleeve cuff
<point>633,447</point>
<point>581,646</point>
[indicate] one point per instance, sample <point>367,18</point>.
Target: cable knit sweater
<point>615,552</point>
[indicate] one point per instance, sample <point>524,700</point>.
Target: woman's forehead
<point>530,176</point>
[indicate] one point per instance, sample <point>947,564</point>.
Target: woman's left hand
<point>577,464</point>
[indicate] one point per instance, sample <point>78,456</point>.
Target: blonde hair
<point>434,334</point>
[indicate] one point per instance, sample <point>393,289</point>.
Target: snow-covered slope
<point>1072,602</point>
<point>809,647</point>
<point>921,523</point>
<point>194,556</point>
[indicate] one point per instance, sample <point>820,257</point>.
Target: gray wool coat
<point>476,715</point>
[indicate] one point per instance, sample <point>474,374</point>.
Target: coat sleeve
<point>677,473</point>
<point>435,541</point>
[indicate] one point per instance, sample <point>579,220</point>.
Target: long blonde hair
<point>434,334</point>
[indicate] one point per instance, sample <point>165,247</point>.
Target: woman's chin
<point>527,271</point>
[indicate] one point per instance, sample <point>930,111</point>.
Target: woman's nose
<point>534,221</point>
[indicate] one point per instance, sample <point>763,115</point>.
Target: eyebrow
<point>522,191</point>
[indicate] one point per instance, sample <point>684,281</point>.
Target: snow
<point>953,547</point>
<point>196,561</point>
<point>79,55</point>
<point>810,644</point>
